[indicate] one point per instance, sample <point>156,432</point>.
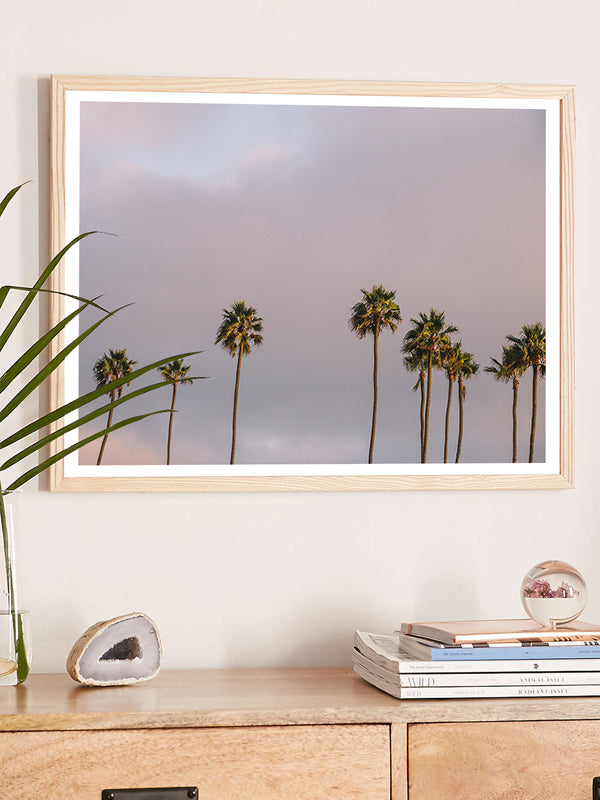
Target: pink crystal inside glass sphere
<point>553,593</point>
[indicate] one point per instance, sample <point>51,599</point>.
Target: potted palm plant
<point>16,659</point>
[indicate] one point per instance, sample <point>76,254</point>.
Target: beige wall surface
<point>283,579</point>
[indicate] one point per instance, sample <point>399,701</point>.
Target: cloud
<point>125,446</point>
<point>265,154</point>
<point>445,207</point>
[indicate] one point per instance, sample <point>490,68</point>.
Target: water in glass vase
<point>9,674</point>
<point>15,630</point>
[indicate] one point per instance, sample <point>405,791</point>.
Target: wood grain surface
<point>399,758</point>
<point>304,763</point>
<point>132,83</point>
<point>306,733</point>
<point>209,698</point>
<point>548,760</point>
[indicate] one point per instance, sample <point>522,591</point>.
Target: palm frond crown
<point>175,371</point>
<point>512,366</point>
<point>465,364</point>
<point>451,358</point>
<point>532,344</point>
<point>111,366</point>
<point>377,310</point>
<point>416,362</point>
<point>240,329</point>
<point>429,335</point>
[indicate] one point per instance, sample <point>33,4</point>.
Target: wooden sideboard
<point>318,734</point>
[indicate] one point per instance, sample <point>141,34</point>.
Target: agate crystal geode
<point>116,652</point>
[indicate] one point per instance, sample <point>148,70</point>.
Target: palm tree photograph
<point>240,330</point>
<point>364,281</point>
<point>429,339</point>
<point>510,369</point>
<point>108,368</point>
<point>175,373</point>
<point>376,312</point>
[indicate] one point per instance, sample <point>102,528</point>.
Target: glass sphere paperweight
<point>553,593</point>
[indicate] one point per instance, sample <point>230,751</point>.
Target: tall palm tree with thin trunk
<point>240,330</point>
<point>509,370</point>
<point>111,366</point>
<point>532,343</point>
<point>450,364</point>
<point>466,368</point>
<point>175,372</point>
<point>417,362</point>
<point>429,335</point>
<point>376,311</point>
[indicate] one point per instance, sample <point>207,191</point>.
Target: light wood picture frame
<point>269,152</point>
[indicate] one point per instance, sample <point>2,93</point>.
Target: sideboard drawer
<point>503,760</point>
<point>301,762</point>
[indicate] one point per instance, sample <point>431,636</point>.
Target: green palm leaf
<point>73,405</point>
<point>9,196</point>
<point>16,369</point>
<point>49,369</point>
<point>39,443</point>
<point>34,351</point>
<point>32,293</point>
<point>68,450</point>
<point>4,290</point>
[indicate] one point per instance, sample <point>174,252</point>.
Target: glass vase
<point>15,629</point>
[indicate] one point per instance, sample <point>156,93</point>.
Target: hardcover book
<point>421,680</point>
<point>481,651</point>
<point>499,630</point>
<point>446,692</point>
<point>378,659</point>
<point>385,650</point>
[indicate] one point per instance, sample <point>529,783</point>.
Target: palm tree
<point>510,369</point>
<point>465,368</point>
<point>111,366</point>
<point>376,311</point>
<point>532,343</point>
<point>174,372</point>
<point>429,336</point>
<point>239,331</point>
<point>417,362</point>
<point>450,363</point>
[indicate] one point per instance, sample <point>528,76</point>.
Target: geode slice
<point>116,652</point>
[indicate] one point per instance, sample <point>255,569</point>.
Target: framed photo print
<point>364,285</point>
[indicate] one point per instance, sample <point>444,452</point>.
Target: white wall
<point>289,588</point>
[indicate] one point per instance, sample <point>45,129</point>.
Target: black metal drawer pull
<point>180,793</point>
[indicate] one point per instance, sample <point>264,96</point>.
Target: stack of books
<point>482,658</point>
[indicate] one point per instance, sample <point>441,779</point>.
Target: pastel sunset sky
<point>295,209</point>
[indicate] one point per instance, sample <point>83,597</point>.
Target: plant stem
<point>10,589</point>
<point>17,624</point>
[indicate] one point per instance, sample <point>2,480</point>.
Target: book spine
<point>410,666</point>
<point>445,638</point>
<point>427,680</point>
<point>448,692</point>
<point>441,667</point>
<point>384,650</point>
<point>512,643</point>
<point>536,652</point>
